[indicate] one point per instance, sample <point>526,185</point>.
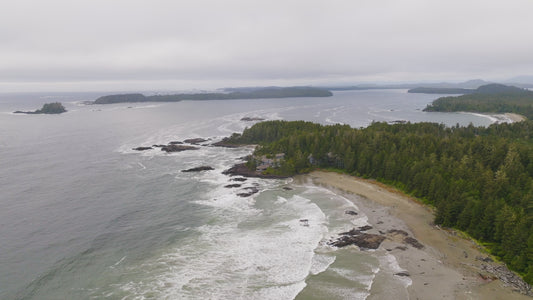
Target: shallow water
<point>83,216</point>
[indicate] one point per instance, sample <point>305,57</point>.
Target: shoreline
<point>448,267</point>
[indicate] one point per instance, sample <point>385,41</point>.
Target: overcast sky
<point>176,44</point>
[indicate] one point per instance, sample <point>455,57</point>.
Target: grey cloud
<point>250,41</point>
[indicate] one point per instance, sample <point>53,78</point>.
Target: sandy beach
<point>515,117</point>
<point>447,267</point>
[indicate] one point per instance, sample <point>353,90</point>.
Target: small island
<point>48,108</point>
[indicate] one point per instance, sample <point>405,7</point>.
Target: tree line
<point>491,98</point>
<point>479,179</point>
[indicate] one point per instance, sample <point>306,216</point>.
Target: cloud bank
<point>209,43</point>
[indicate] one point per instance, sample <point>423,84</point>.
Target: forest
<point>491,98</point>
<point>479,179</point>
<point>48,108</point>
<point>257,93</point>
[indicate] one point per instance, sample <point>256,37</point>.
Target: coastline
<point>448,267</point>
<point>515,117</point>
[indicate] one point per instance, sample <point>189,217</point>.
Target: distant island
<point>255,93</point>
<point>48,108</point>
<point>490,98</point>
<point>430,90</point>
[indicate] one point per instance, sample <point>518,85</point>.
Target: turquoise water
<point>85,217</point>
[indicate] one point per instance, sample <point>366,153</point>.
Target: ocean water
<point>83,216</point>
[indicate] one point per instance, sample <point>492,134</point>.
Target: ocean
<point>83,216</point>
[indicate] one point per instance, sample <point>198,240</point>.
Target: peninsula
<point>491,98</point>
<point>48,108</point>
<point>477,179</point>
<point>257,93</point>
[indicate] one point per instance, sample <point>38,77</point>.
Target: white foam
<point>321,263</point>
<point>227,260</point>
<point>390,263</point>
<point>360,221</point>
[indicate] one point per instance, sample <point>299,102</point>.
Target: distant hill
<point>468,85</point>
<point>430,90</point>
<point>490,98</point>
<point>48,108</point>
<point>493,88</point>
<point>250,93</point>
<point>496,88</point>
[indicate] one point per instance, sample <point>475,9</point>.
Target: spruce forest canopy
<point>479,179</point>
<point>491,98</point>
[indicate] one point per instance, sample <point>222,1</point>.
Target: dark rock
<point>287,188</point>
<point>351,232</point>
<point>177,148</point>
<point>350,212</point>
<point>194,141</point>
<point>158,146</point>
<point>365,228</point>
<point>252,119</point>
<point>251,191</point>
<point>507,277</point>
<point>241,179</point>
<point>225,145</point>
<point>198,169</point>
<point>242,170</point>
<point>142,148</point>
<point>304,222</point>
<point>229,186</point>
<point>403,248</point>
<point>485,259</point>
<point>363,241</point>
<point>175,143</point>
<point>403,274</point>
<point>398,231</point>
<point>413,242</point>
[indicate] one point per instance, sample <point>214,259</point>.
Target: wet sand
<point>446,268</point>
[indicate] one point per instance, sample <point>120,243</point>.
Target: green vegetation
<point>48,108</point>
<point>492,98</point>
<point>480,180</point>
<point>271,92</point>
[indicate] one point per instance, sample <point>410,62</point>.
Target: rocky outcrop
<point>195,141</point>
<point>242,170</point>
<point>48,108</point>
<point>225,144</point>
<point>413,242</point>
<point>142,148</point>
<point>177,148</point>
<point>363,241</point>
<point>235,185</point>
<point>239,179</point>
<point>249,191</point>
<point>199,169</point>
<point>508,278</point>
